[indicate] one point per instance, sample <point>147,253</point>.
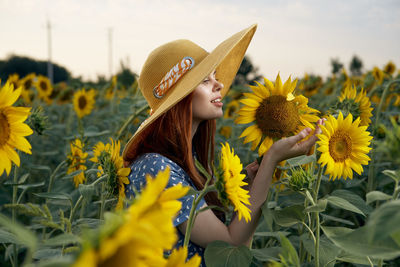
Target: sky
<point>292,38</point>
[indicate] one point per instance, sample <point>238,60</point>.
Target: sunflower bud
<point>300,179</point>
<point>38,121</point>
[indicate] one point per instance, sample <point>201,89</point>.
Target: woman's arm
<point>207,227</point>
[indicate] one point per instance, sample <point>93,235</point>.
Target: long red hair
<point>171,136</point>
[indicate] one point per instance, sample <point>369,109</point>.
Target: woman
<point>184,85</point>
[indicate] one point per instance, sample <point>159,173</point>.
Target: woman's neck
<point>195,125</point>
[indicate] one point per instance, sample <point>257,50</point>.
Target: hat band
<point>173,76</point>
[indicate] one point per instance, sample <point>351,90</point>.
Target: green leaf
<point>47,253</point>
<point>271,234</point>
<point>357,242</point>
<point>88,222</point>
<point>298,161</point>
<point>21,234</point>
<point>200,167</point>
<point>87,191</point>
<point>51,195</point>
<point>347,257</point>
<point>289,216</point>
<point>336,219</point>
<point>267,216</point>
<point>23,178</point>
<point>289,253</point>
<point>26,186</point>
<point>62,239</point>
<point>41,167</point>
<point>319,207</point>
<point>392,174</point>
<point>327,250</point>
<point>267,253</point>
<point>64,261</point>
<point>219,253</point>
<point>7,237</point>
<point>71,175</point>
<point>354,199</point>
<point>96,133</point>
<point>396,237</point>
<point>343,204</point>
<point>384,221</point>
<point>192,191</point>
<point>376,195</point>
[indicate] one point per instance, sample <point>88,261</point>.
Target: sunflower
<point>12,128</point>
<point>226,131</point>
<point>139,235</point>
<point>344,145</point>
<point>13,79</point>
<point>84,102</point>
<point>229,186</point>
<point>76,160</point>
<point>389,68</point>
<point>231,109</point>
<point>110,162</point>
<point>110,90</point>
<point>310,84</point>
<point>356,104</point>
<point>378,74</point>
<point>178,259</point>
<point>27,83</point>
<point>276,113</point>
<point>43,86</point>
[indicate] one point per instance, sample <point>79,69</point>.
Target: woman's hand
<point>292,147</point>
<point>252,169</point>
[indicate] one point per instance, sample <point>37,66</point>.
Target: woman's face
<point>206,103</point>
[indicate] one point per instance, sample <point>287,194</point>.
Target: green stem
<point>311,232</point>
<point>14,215</point>
<point>51,181</point>
<point>73,210</point>
<point>371,171</point>
<point>80,128</point>
<point>130,119</point>
<point>192,215</point>
<point>317,230</point>
<point>317,185</point>
<point>370,262</point>
<point>302,251</point>
<point>103,199</point>
<point>75,207</point>
<point>317,222</point>
<point>396,190</point>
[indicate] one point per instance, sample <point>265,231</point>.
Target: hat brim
<point>225,59</point>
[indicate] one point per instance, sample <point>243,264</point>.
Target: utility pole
<point>110,52</point>
<point>49,64</point>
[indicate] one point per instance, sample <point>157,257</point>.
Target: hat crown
<point>159,63</point>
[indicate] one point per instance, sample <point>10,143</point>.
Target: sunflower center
<point>340,146</point>
<point>277,117</point>
<point>4,129</point>
<point>27,84</point>
<point>82,102</point>
<point>43,86</point>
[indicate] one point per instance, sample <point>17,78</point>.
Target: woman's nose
<point>218,86</point>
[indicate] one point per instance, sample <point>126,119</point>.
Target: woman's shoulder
<point>152,164</point>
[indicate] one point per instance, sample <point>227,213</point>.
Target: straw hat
<point>174,70</point>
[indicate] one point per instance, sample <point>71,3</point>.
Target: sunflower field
<point>62,176</point>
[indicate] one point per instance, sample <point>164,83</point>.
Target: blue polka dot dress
<point>152,163</point>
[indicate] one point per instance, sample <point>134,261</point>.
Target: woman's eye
<point>206,81</point>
